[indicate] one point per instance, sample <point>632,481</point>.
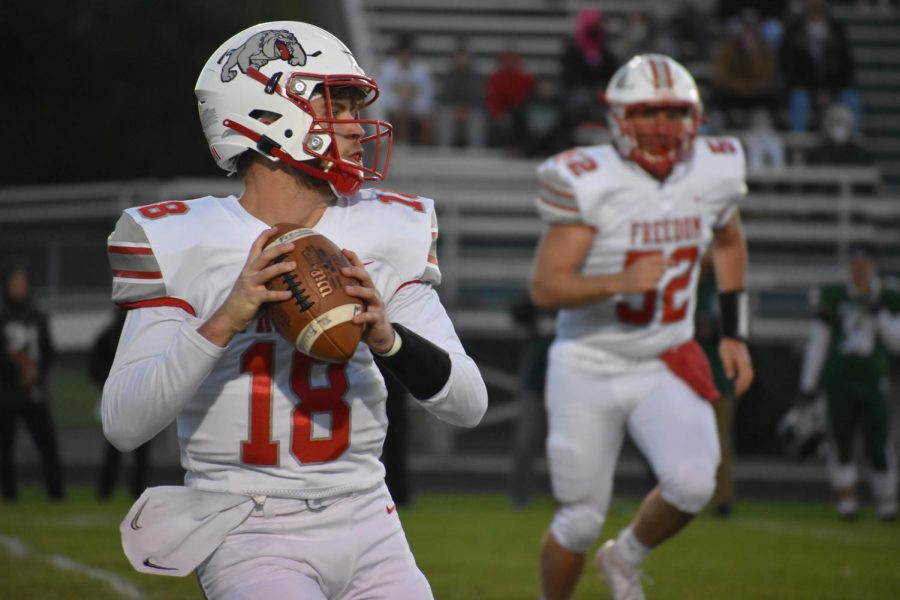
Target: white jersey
<point>262,418</point>
<point>634,215</point>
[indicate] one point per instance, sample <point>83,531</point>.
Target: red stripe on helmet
<point>655,74</point>
<point>668,73</point>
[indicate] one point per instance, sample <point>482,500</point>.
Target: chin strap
<point>344,180</point>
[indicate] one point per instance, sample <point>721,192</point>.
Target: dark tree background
<point>103,89</point>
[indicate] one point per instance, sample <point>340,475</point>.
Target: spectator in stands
<point>693,26</point>
<point>767,9</point>
<point>407,94</point>
<point>102,354</point>
<point>839,144</point>
<point>587,65</point>
<point>765,148</point>
<point>884,6</point>
<point>508,87</point>
<point>817,65</point>
<point>857,324</point>
<point>26,353</point>
<point>643,35</point>
<point>461,121</point>
<point>744,72</point>
<point>545,128</point>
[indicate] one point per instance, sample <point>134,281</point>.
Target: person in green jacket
<point>857,325</point>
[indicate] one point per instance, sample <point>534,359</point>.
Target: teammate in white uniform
<point>284,493</point>
<point>627,227</point>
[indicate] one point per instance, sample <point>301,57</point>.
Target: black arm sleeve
<point>422,367</point>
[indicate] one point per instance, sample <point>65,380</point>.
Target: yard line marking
<point>778,527</point>
<point>18,548</point>
<point>14,546</point>
<point>126,588</point>
<point>87,520</point>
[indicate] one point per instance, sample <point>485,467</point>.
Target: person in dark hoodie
<point>26,352</point>
<point>588,63</point>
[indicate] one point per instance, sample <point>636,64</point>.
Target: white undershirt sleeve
<point>463,400</point>
<point>889,329</point>
<point>159,365</point>
<point>814,356</point>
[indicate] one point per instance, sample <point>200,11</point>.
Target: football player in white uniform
<point>627,226</point>
<point>284,494</point>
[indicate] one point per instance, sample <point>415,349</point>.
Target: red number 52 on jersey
<point>643,313</point>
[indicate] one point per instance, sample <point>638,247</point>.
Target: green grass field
<point>475,547</point>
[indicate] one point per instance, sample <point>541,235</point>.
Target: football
<point>318,320</point>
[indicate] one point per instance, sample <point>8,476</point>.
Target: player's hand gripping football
<point>249,291</point>
<point>379,333</point>
<point>736,364</point>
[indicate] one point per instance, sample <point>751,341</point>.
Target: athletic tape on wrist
<point>394,349</point>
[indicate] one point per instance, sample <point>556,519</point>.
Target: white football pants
<point>353,548</point>
<point>588,415</point>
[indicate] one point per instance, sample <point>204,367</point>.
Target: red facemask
<point>662,142</point>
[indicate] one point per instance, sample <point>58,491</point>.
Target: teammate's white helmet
<point>653,80</point>
<point>254,93</point>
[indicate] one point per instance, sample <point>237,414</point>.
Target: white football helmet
<point>254,93</point>
<point>649,81</point>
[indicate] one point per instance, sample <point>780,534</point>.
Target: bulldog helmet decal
<point>260,48</point>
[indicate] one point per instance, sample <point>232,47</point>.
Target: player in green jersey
<point>857,324</point>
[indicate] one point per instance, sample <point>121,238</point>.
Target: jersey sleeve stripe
<point>125,290</point>
<point>124,248</point>
<point>136,274</point>
<point>556,200</point>
<point>143,263</point>
<point>557,191</point>
<point>157,302</point>
<point>406,283</point>
<point>558,216</point>
<point>128,274</point>
<point>567,206</point>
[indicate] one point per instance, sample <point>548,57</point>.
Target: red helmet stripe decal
<point>655,74</point>
<point>668,73</point>
<point>662,74</point>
